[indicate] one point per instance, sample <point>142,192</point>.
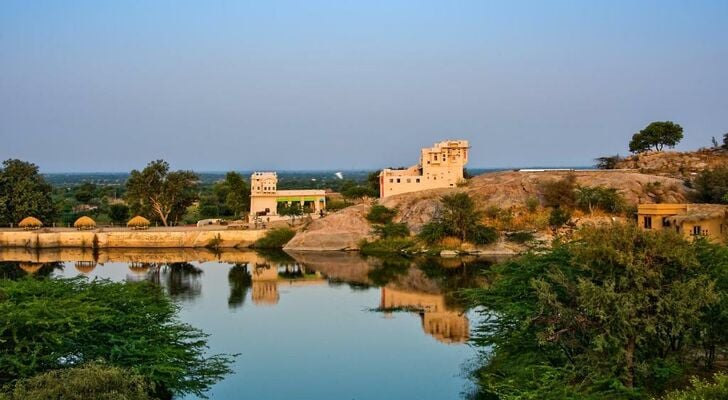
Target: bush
<point>275,238</point>
<point>391,230</point>
<point>90,381</point>
<point>712,186</point>
<point>520,237</point>
<point>433,231</point>
<point>609,162</point>
<point>380,214</point>
<point>599,197</point>
<point>336,205</point>
<point>483,235</point>
<point>390,245</point>
<point>559,217</point>
<point>532,204</point>
<point>559,193</point>
<point>47,324</point>
<point>703,390</point>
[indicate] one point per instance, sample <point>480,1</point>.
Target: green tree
<point>599,197</point>
<point>84,192</point>
<point>292,210</point>
<point>711,185</point>
<point>238,194</point>
<point>702,390</point>
<point>119,213</point>
<point>458,216</point>
<point>725,141</point>
<point>24,192</point>
<point>379,214</point>
<point>608,162</point>
<point>373,182</point>
<point>616,313</point>
<point>47,323</point>
<point>157,192</point>
<point>560,192</point>
<point>90,381</point>
<point>655,136</point>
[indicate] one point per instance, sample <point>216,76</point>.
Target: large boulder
<point>342,230</point>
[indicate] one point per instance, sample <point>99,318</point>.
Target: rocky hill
<point>343,230</point>
<point>675,164</point>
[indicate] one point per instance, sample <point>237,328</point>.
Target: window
<point>697,231</point>
<point>648,223</point>
<point>409,180</point>
<point>435,157</point>
<point>391,180</point>
<point>397,180</point>
<point>417,180</point>
<point>665,222</point>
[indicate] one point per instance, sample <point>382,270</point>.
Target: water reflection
<point>324,297</point>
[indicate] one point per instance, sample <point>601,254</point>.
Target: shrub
<point>703,390</point>
<point>559,193</point>
<point>380,214</point>
<point>493,212</point>
<point>390,245</point>
<point>483,235</point>
<point>90,381</point>
<point>559,217</point>
<point>433,231</point>
<point>336,205</point>
<point>609,162</point>
<point>391,230</point>
<point>712,185</point>
<point>47,324</point>
<point>520,237</point>
<point>532,204</point>
<point>275,238</point>
<point>599,197</point>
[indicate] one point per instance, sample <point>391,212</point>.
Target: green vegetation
<point>559,193</point>
<point>379,214</point>
<point>712,186</point>
<point>458,217</point>
<point>159,194</point>
<point>618,313</point>
<point>292,210</point>
<point>392,230</point>
<point>703,390</point>
<point>608,162</point>
<point>559,217</point>
<point>275,238</point>
<point>89,381</point>
<point>403,245</point>
<point>655,136</point>
<point>520,237</point>
<point>24,192</point>
<point>599,197</point>
<point>119,213</point>
<point>50,324</point>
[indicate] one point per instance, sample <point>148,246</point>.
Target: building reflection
<point>85,267</point>
<point>266,278</point>
<point>445,325</point>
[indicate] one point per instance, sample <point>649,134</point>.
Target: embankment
<point>156,238</point>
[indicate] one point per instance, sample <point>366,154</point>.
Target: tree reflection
<point>240,282</point>
<point>16,270</point>
<point>181,280</point>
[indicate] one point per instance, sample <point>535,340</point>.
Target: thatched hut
<point>138,222</point>
<point>84,223</point>
<point>30,223</point>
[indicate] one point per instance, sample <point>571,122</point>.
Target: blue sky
<point>214,85</point>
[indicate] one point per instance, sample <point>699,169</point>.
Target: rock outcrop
<point>512,188</point>
<point>675,164</point>
<point>342,230</point>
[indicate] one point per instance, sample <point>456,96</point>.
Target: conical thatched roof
<point>138,222</point>
<point>30,223</point>
<point>84,223</point>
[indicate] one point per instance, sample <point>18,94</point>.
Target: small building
<point>266,199</point>
<point>691,220</point>
<point>440,166</point>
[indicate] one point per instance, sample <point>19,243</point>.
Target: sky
<point>299,85</point>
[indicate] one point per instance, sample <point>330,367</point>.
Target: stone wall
<point>168,238</point>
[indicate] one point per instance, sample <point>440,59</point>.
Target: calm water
<point>309,325</point>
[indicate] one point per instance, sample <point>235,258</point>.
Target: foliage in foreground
<point>703,390</point>
<point>275,238</point>
<point>48,324</point>
<point>90,381</point>
<point>618,313</point>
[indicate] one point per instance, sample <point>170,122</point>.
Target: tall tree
<point>238,193</point>
<point>157,192</point>
<point>655,136</point>
<point>24,192</point>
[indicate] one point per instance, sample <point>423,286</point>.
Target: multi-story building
<point>265,198</point>
<point>691,220</point>
<point>440,166</point>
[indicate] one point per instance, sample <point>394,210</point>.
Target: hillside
<point>675,164</point>
<point>344,229</point>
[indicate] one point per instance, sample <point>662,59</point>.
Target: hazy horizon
<point>322,85</point>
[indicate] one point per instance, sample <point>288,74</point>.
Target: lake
<point>307,325</point>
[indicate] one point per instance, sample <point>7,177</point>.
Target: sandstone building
<point>691,220</point>
<point>265,198</point>
<point>440,166</point>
